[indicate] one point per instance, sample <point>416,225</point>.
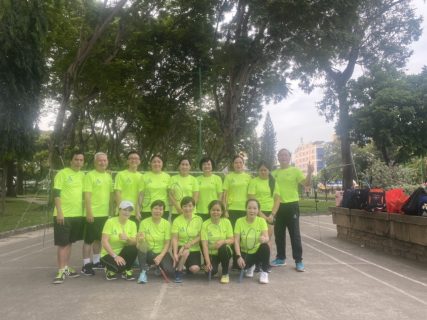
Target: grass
<point>308,206</point>
<point>20,212</point>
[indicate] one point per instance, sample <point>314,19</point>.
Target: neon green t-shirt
<point>187,230</point>
<point>250,233</point>
<point>70,183</point>
<point>236,186</point>
<point>209,188</point>
<point>183,187</point>
<point>212,233</point>
<point>155,188</point>
<point>288,181</point>
<point>155,233</point>
<point>100,185</point>
<point>114,228</point>
<point>260,188</point>
<point>130,184</point>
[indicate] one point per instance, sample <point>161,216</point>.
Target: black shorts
<point>194,259</point>
<point>70,232</point>
<point>93,231</point>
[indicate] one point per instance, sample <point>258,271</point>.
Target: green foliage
<point>22,38</point>
<point>392,113</point>
<point>268,142</point>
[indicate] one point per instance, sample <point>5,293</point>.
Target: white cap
<point>125,204</point>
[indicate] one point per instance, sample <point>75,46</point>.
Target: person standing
<point>68,214</point>
<point>182,185</point>
<point>288,179</point>
<point>98,189</point>
<point>128,184</point>
<point>210,187</point>
<point>156,183</point>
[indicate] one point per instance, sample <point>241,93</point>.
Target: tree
<point>268,142</point>
<point>23,25</point>
<point>392,113</point>
<point>376,31</point>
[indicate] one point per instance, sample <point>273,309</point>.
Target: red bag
<point>395,198</point>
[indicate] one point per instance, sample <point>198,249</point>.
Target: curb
<point>10,233</point>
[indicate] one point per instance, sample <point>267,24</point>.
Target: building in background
<point>312,153</point>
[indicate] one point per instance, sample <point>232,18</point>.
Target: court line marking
<point>315,225</point>
<point>368,262</point>
<point>24,248</point>
<point>158,302</point>
<point>369,276</point>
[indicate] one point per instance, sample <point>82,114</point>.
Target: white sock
<point>86,261</point>
<point>96,258</point>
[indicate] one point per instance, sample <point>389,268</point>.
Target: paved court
<point>342,281</point>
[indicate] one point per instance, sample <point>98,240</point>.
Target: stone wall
<point>396,234</point>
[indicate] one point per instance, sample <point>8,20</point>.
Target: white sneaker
<point>263,277</point>
<point>250,272</point>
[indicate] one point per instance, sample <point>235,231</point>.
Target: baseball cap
<point>125,204</point>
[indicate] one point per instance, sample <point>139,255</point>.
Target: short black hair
<point>159,203</point>
<point>204,160</point>
<point>132,152</point>
<point>187,200</point>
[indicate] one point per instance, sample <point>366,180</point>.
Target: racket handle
<point>209,275</point>
<point>163,273</point>
<point>242,271</point>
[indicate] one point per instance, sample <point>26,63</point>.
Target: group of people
<point>172,222</point>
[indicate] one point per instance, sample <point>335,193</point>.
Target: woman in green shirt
<point>182,185</point>
<point>236,190</point>
<point>217,236</point>
<point>210,187</point>
<point>156,183</point>
<point>251,242</point>
<point>154,241</point>
<point>119,243</point>
<point>186,239</point>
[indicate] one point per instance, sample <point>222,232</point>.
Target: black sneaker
<point>71,273</point>
<point>98,266</point>
<point>87,270</point>
<point>257,268</point>
<point>110,275</point>
<point>128,275</point>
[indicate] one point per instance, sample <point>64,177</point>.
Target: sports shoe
<point>225,278</point>
<point>278,262</point>
<point>178,276</point>
<point>60,277</point>
<point>263,277</point>
<point>249,273</point>
<point>300,266</point>
<point>98,266</point>
<point>87,270</point>
<point>142,277</point>
<point>110,275</point>
<point>128,275</point>
<point>70,272</point>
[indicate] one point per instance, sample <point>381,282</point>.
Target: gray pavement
<point>342,281</point>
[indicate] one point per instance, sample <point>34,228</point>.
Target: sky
<point>296,118</point>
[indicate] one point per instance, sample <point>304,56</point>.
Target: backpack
<point>395,199</point>
<point>376,200</point>
<point>355,198</point>
<point>413,206</point>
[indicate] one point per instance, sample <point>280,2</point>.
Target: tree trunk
<point>19,179</point>
<point>3,190</point>
<point>10,172</point>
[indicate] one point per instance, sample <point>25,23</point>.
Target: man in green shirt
<point>288,179</point>
<point>98,188</point>
<point>129,183</point>
<point>68,214</point>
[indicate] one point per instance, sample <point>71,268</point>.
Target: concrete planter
<point>393,233</point>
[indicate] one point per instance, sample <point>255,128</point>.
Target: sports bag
<point>376,200</point>
<point>355,198</point>
<point>395,199</point>
<point>413,206</point>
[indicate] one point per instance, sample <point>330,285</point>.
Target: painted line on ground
<point>317,226</point>
<point>158,302</point>
<point>369,276</point>
<point>24,248</point>
<point>367,261</point>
